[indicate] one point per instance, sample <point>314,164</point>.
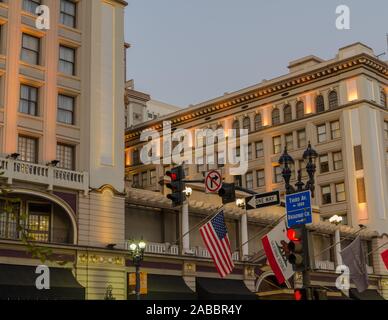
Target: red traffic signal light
<point>292,235</point>
<point>173,176</point>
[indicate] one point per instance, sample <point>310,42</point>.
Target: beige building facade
<point>340,106</point>
<point>61,146</point>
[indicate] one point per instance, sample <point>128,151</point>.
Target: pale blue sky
<point>188,51</point>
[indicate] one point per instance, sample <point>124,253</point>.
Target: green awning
<point>223,289</point>
<point>18,283</point>
<point>368,294</point>
<point>166,287</point>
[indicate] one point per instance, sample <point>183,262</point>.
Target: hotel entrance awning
<point>166,287</point>
<point>18,283</point>
<point>223,289</point>
<point>368,294</point>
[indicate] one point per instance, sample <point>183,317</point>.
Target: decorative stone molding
<point>101,259</point>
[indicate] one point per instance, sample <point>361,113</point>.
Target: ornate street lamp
<point>310,157</point>
<point>285,160</point>
<point>136,251</point>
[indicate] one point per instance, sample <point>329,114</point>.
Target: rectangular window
<point>302,167</point>
<point>324,163</point>
<point>28,149</point>
<point>289,141</point>
<point>30,49</point>
<point>221,158</point>
<point>259,149</point>
<point>337,160</point>
<point>260,178</point>
<point>326,194</point>
<point>65,109</point>
<point>321,131</point>
<point>249,180</point>
<point>153,177</point>
<point>144,179</point>
<point>135,181</point>
<point>31,5</point>
<point>28,100</point>
<point>301,138</point>
<point>361,190</point>
<point>292,169</point>
<point>67,60</point>
<point>277,144</point>
<point>340,192</point>
<point>358,157</point>
<point>278,174</point>
<point>39,222</point>
<point>250,151</point>
<point>65,155</point>
<point>68,13</point>
<point>9,220</point>
<point>335,130</point>
<point>238,181</point>
<point>386,129</point>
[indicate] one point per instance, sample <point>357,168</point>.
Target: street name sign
<point>298,208</point>
<point>263,200</point>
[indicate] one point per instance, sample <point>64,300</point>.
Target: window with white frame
<point>321,132</point>
<point>260,178</point>
<point>337,160</point>
<point>249,180</point>
<point>277,144</point>
<point>335,129</point>
<point>67,60</point>
<point>65,155</point>
<point>277,174</point>
<point>326,194</point>
<point>290,141</point>
<point>65,112</point>
<point>28,149</point>
<point>30,51</point>
<point>259,149</point>
<point>301,134</point>
<point>68,12</point>
<point>340,192</point>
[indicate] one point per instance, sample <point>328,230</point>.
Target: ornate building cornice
<point>264,90</point>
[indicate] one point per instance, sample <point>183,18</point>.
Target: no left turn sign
<point>213,181</point>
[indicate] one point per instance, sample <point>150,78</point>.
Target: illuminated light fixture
<point>188,191</point>
<point>335,219</point>
<point>142,245</point>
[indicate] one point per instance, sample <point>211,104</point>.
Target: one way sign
<point>263,200</point>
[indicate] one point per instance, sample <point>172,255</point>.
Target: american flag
<point>215,236</point>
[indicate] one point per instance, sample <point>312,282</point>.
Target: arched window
<point>299,109</point>
<point>247,123</point>
<point>383,98</point>
<point>287,112</point>
<point>258,122</point>
<point>333,99</point>
<point>275,116</point>
<point>236,128</point>
<point>320,104</point>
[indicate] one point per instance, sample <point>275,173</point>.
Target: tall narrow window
<point>277,174</point>
<point>28,100</point>
<point>28,149</point>
<point>335,130</point>
<point>260,178</point>
<point>30,49</point>
<point>340,192</point>
<point>333,99</point>
<point>275,116</point>
<point>358,157</point>
<point>238,180</point>
<point>277,144</point>
<point>249,180</point>
<point>65,109</point>
<point>259,149</point>
<point>324,163</point>
<point>361,190</point>
<point>320,103</point>
<point>300,110</point>
<point>39,222</point>
<point>287,112</point>
<point>258,122</point>
<point>301,138</point>
<point>326,194</point>
<point>383,98</point>
<point>321,132</point>
<point>337,160</point>
<point>68,13</point>
<point>67,60</point>
<point>247,124</point>
<point>290,141</point>
<point>65,155</point>
<point>386,129</point>
<point>31,5</point>
<point>236,128</point>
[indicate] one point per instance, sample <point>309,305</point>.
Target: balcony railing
<point>166,248</point>
<point>324,265</point>
<point>9,231</point>
<point>47,175</point>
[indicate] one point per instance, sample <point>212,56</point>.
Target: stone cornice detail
<point>265,91</point>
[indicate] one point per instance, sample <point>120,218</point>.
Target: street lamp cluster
<point>136,251</point>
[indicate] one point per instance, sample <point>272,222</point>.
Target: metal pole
<point>137,289</point>
<point>185,227</point>
<point>337,240</point>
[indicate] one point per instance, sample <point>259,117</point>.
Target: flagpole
<point>197,225</point>
<point>339,242</point>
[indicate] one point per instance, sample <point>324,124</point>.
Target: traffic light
<point>300,294</point>
<point>296,254</point>
<point>176,185</point>
<point>228,193</point>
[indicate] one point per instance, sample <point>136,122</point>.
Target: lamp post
<point>136,250</point>
<point>309,156</point>
<point>336,220</point>
<point>185,221</point>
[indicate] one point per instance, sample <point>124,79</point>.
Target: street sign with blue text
<point>298,208</point>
